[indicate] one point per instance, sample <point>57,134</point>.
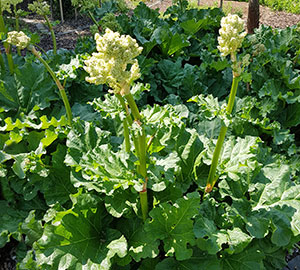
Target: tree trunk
<point>253,16</point>
<point>221,4</point>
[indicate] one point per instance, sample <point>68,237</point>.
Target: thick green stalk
<point>141,138</point>
<point>9,58</point>
<point>134,109</point>
<point>52,34</point>
<point>60,87</point>
<point>126,122</point>
<point>93,18</point>
<point>91,15</point>
<point>1,57</point>
<point>141,152</point>
<point>2,65</point>
<point>126,135</point>
<point>212,179</point>
<point>6,46</point>
<point>232,94</point>
<point>17,26</point>
<point>144,203</point>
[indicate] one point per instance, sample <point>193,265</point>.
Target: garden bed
<point>131,179</point>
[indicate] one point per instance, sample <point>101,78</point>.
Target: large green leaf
<point>169,42</point>
<point>79,238</point>
<point>141,244</point>
<point>191,26</point>
<point>94,163</point>
<point>278,207</point>
<point>58,187</point>
<point>238,157</point>
<point>122,202</point>
<point>174,225</point>
<point>30,89</point>
<point>249,259</point>
<point>211,239</point>
<point>199,260</point>
<point>10,218</point>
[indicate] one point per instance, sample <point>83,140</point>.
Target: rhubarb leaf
<point>174,225</point>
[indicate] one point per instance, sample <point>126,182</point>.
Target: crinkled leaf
<point>69,70</point>
<point>211,239</point>
<point>109,106</point>
<point>174,225</point>
<point>32,228</point>
<point>141,244</point>
<point>79,238</point>
<point>44,123</point>
<point>238,156</point>
<point>31,88</point>
<point>199,259</point>
<point>10,218</point>
<point>249,259</point>
<point>94,164</point>
<point>122,202</point>
<point>277,209</point>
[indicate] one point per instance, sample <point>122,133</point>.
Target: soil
<point>68,32</point>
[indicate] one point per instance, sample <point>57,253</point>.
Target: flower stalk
<point>212,179</point>
<point>56,80</point>
<point>42,8</point>
<point>230,40</point>
<point>141,151</point>
<point>52,34</point>
<point>6,47</point>
<point>17,25</point>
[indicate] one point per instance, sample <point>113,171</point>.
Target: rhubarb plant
<point>110,65</point>
<point>5,6</point>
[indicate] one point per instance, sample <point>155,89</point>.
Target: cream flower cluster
<point>18,39</point>
<point>231,34</point>
<point>114,63</point>
<point>40,8</point>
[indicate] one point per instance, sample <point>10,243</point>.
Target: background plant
<point>43,9</point>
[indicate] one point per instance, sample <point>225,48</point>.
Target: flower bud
<point>40,8</point>
<point>15,2</point>
<point>18,39</point>
<point>5,6</point>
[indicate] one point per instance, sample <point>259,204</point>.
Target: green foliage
<point>70,195</point>
<point>281,5</point>
<point>285,5</point>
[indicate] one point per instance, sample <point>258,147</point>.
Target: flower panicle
<point>18,39</point>
<point>114,62</point>
<point>232,34</point>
